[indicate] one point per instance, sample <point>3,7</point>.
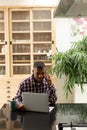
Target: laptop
<point>37,102</point>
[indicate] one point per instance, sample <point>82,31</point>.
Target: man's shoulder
<point>26,80</point>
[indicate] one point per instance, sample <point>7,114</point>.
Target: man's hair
<point>39,65</point>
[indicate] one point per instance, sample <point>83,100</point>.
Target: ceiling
<point>71,8</point>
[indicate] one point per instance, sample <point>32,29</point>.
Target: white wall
<point>63,34</point>
<point>60,92</point>
<point>63,38</point>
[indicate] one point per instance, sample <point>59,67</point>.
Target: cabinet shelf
<point>2,54</point>
<point>2,62</point>
<point>21,32</point>
<point>46,61</point>
<point>41,20</point>
<point>2,32</point>
<point>21,42</point>
<point>43,31</point>
<point>2,65</point>
<point>21,61</point>
<point>1,20</point>
<point>42,42</point>
<point>39,53</point>
<point>20,21</point>
<point>24,65</point>
<point>21,54</point>
<point>2,43</point>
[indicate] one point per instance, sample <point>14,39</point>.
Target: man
<point>39,82</point>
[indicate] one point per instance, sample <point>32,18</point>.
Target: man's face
<point>39,74</point>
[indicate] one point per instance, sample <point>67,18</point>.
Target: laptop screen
<point>35,102</point>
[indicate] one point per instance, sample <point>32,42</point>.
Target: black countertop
<point>63,115</point>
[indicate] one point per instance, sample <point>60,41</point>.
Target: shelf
<point>21,64</point>
<point>42,42</point>
<point>14,54</point>
<point>2,32</point>
<point>2,54</point>
<point>21,42</point>
<point>1,21</point>
<point>39,53</point>
<point>2,43</point>
<point>42,31</point>
<point>21,32</point>
<point>20,21</point>
<point>2,62</point>
<point>41,20</point>
<point>46,61</point>
<point>21,61</point>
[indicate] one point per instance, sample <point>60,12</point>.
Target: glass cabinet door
<point>3,42</point>
<point>42,35</point>
<point>20,43</point>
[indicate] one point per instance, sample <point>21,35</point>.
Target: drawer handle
<point>8,87</point>
<point>6,42</point>
<point>8,91</point>
<point>8,96</point>
<point>8,82</point>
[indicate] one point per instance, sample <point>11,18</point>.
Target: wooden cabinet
<point>4,58</point>
<point>8,88</point>
<point>26,35</point>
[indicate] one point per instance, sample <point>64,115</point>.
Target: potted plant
<point>72,64</point>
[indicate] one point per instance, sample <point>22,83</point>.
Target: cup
<point>13,106</point>
<point>13,115</point>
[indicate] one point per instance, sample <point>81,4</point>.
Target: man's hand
<point>20,107</point>
<point>48,79</point>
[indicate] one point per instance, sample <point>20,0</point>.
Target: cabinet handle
<point>5,42</point>
<point>8,82</point>
<point>8,87</point>
<point>11,42</point>
<point>8,91</point>
<point>8,96</point>
<point>52,42</point>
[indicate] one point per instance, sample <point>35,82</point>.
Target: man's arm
<point>18,98</point>
<point>52,95</point>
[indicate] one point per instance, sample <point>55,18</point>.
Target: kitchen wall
<point>63,38</point>
<point>69,30</point>
<point>63,33</point>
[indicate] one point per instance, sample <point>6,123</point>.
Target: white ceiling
<point>29,2</point>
